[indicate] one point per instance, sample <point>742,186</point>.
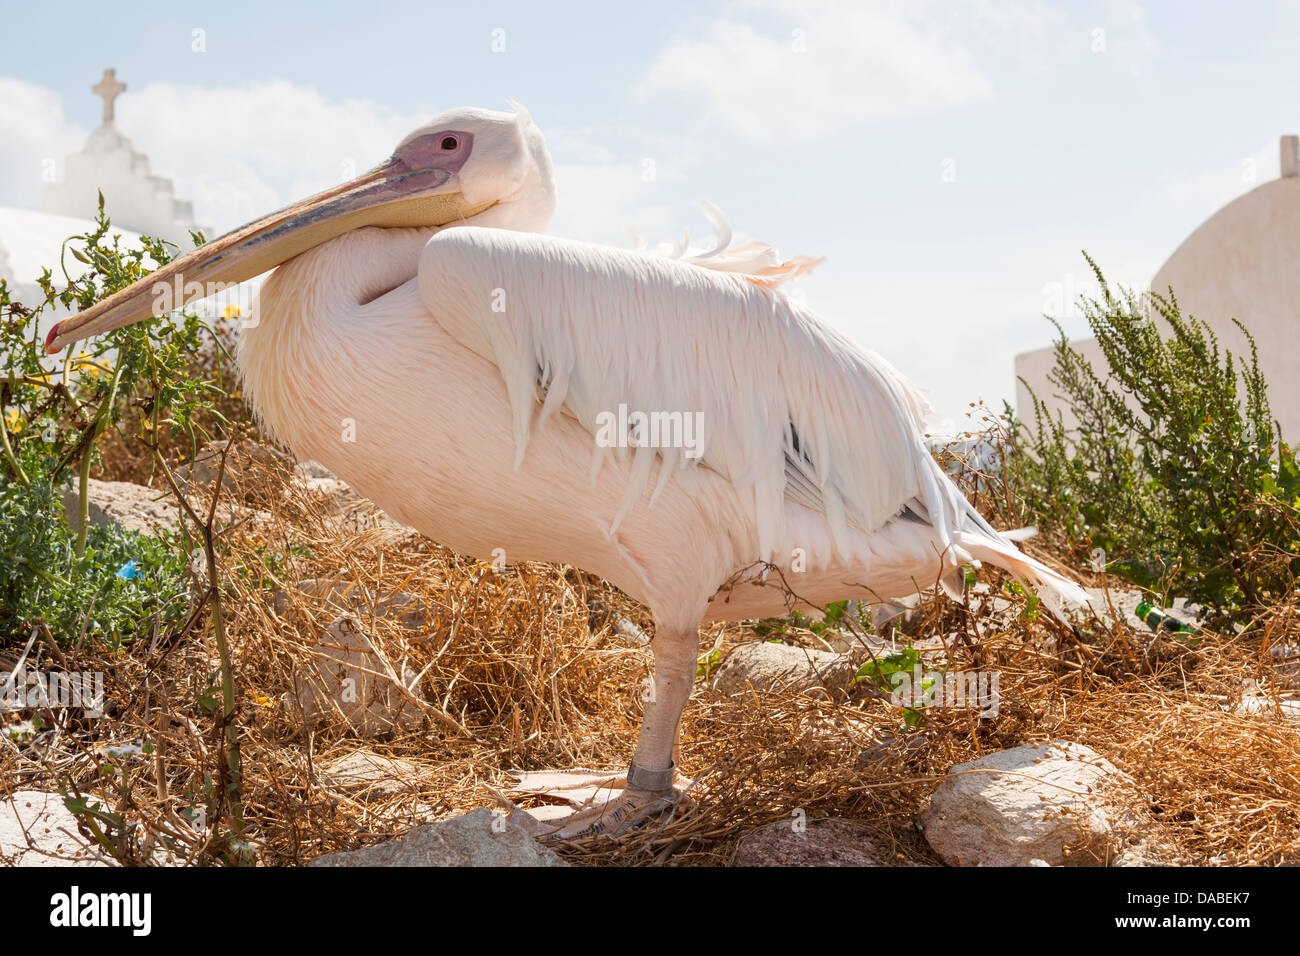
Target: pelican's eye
<point>449,143</point>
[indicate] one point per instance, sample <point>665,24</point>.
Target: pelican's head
<point>497,158</point>
<point>466,166</point>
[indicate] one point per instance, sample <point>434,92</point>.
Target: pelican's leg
<point>654,763</point>
<point>652,782</point>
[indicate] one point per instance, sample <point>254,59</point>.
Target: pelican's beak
<point>392,195</point>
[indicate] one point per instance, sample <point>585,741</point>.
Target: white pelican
<point>478,385</point>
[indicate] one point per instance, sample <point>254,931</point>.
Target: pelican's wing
<point>758,261</point>
<point>782,402</point>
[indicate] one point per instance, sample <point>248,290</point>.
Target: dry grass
<point>525,667</point>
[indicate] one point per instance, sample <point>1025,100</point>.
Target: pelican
<point>671,428</point>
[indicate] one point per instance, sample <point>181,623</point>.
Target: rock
<point>344,596</point>
<point>780,667</point>
<point>410,612</point>
<point>336,495</point>
<point>203,470</point>
<point>369,777</point>
<point>339,505</point>
<point>133,507</point>
<point>312,469</point>
<point>1032,802</point>
<point>831,842</point>
<point>353,677</point>
<point>479,838</point>
<point>36,829</point>
<point>1264,707</point>
<point>1151,853</point>
<point>1286,665</point>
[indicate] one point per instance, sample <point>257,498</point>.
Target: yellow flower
<point>232,312</point>
<point>86,364</point>
<point>14,419</point>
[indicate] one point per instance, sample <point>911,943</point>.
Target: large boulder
<point>781,667</point>
<point>479,838</point>
<point>149,510</point>
<point>1060,803</point>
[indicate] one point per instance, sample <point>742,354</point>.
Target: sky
<point>949,159</point>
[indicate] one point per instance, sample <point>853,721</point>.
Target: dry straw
<point>531,666</point>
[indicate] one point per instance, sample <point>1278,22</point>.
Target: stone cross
<point>109,88</point>
<point>1290,156</point>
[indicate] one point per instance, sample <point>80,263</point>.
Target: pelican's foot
<point>598,802</point>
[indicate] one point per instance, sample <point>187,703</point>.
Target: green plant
<point>54,421</point>
<point>893,671</point>
<point>122,586</point>
<point>54,416</point>
<point>837,617</point>
<point>1173,473</point>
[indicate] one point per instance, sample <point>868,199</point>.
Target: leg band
<point>639,778</point>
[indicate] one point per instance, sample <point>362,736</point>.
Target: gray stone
<point>832,842</point>
<point>369,777</point>
<point>346,596</point>
<point>1286,665</point>
<point>336,501</point>
<point>131,506</point>
<point>312,469</point>
<point>336,495</point>
<point>780,667</point>
<point>203,470</point>
<point>351,676</point>
<point>1061,803</point>
<point>1264,708</point>
<point>36,829</point>
<point>479,838</point>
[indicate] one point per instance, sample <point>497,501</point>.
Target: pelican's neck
<point>334,281</point>
<point>311,315</point>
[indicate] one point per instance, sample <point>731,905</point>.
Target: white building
<point>137,202</point>
<point>134,198</point>
<point>32,241</point>
<point>1243,262</point>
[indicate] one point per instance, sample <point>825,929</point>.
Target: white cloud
<point>598,202</point>
<point>1212,188</point>
<point>239,152</point>
<point>831,66</point>
<point>1127,37</point>
<point>35,137</point>
<point>612,180</point>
